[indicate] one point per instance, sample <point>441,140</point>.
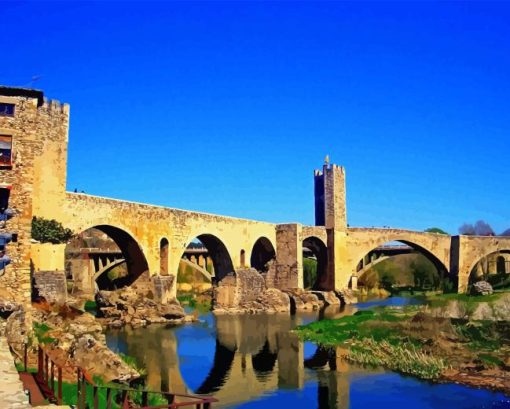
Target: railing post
<point>59,380</point>
<point>78,388</point>
<point>125,400</point>
<point>25,357</point>
<point>96,397</point>
<point>40,362</point>
<point>52,376</point>
<point>83,391</point>
<point>108,398</point>
<point>46,364</point>
<point>145,399</point>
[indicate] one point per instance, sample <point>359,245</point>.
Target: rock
<point>347,296</point>
<point>171,311</point>
<point>185,287</point>
<point>126,306</point>
<point>329,297</point>
<point>481,288</point>
<point>274,300</point>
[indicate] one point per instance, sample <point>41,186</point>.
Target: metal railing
<point>49,379</point>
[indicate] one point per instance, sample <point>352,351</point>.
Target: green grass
<point>375,337</point>
<point>490,360</point>
<point>361,325</point>
<point>439,300</point>
<point>131,362</point>
<point>40,330</point>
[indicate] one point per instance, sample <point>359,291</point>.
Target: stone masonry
<point>39,131</point>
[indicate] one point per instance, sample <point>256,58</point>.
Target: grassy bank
<point>413,341</point>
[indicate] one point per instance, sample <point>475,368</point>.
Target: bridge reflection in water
<point>238,358</point>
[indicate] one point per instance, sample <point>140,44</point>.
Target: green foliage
<point>491,360</point>
<point>435,230</point>
<point>356,326</point>
<point>309,272</point>
<point>425,273</point>
<point>440,300</point>
<point>50,231</point>
<point>90,305</point>
<point>40,330</point>
<point>480,335</point>
<point>373,339</point>
<point>413,271</point>
<point>131,362</point>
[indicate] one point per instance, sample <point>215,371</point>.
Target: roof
<point>22,92</point>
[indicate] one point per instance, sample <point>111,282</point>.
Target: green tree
<point>50,231</point>
<point>309,272</point>
<point>435,230</point>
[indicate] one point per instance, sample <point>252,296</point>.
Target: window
<point>5,150</point>
<point>6,109</point>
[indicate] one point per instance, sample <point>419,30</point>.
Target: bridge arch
<point>132,255</point>
<point>220,256</point>
<point>262,252</point>
<point>319,250</point>
<point>493,266</point>
<point>419,242</point>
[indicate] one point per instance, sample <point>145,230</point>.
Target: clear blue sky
<point>228,107</point>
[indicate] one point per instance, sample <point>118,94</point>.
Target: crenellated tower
<point>33,161</point>
<point>329,191</point>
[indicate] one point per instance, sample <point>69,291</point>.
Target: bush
<point>50,231</point>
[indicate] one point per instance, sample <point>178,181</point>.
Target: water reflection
<point>249,360</point>
<point>252,355</point>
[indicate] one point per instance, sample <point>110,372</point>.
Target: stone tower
<point>33,159</point>
<point>329,190</point>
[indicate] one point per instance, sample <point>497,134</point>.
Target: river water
<point>254,361</point>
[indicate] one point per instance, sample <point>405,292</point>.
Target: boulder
<point>274,300</point>
<point>481,288</point>
<point>129,307</point>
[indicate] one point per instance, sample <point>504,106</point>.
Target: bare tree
<point>467,229</point>
<point>483,228</point>
<point>480,228</point>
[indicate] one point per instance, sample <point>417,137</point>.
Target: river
<point>254,361</point>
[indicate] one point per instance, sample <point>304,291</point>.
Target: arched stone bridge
<point>152,239</point>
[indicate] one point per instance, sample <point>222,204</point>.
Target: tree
<point>435,230</point>
<point>50,231</point>
<point>480,228</point>
<point>483,229</point>
<point>467,229</point>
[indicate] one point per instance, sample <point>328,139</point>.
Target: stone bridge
<point>152,239</point>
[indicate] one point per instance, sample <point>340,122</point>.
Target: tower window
<point>6,109</point>
<point>5,150</point>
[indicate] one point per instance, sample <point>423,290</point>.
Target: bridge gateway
<point>152,239</point>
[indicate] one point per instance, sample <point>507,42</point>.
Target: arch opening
<point>315,263</point>
<point>401,265</point>
<point>163,256</point>
<point>103,257</point>
<point>242,258</point>
<point>204,263</point>
<point>262,254</point>
<point>493,268</point>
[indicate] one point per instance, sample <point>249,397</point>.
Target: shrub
<point>50,231</point>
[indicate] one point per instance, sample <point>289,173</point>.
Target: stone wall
<point>51,285</point>
<point>289,256</point>
<point>37,175</point>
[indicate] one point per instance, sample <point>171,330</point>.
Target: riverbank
<point>452,338</point>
